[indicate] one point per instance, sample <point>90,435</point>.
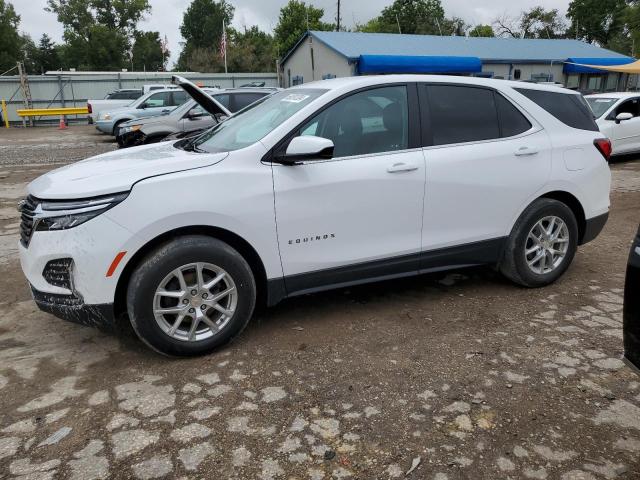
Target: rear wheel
<point>190,296</point>
<point>542,244</point>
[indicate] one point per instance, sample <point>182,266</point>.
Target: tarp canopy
<point>598,65</point>
<point>371,64</point>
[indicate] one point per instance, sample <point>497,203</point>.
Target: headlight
<point>132,128</point>
<point>65,214</point>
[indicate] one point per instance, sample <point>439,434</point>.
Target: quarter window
<point>366,122</point>
<point>570,108</point>
<point>462,114</point>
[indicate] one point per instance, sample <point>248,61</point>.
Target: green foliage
<point>413,16</point>
<point>202,30</point>
<point>41,58</point>
<point>249,51</point>
<point>599,21</point>
<point>540,23</point>
<point>98,33</point>
<point>296,17</point>
<point>10,40</point>
<point>482,31</point>
<point>147,52</point>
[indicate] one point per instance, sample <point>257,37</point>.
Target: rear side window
<point>179,97</point>
<point>512,121</point>
<point>570,109</point>
<point>462,114</point>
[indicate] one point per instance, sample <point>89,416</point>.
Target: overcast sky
<point>166,15</point>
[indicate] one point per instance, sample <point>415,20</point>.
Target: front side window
<point>255,123</point>
<point>630,106</point>
<point>161,99</point>
<point>461,114</point>
<point>364,123</point>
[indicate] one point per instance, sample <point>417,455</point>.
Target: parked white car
<point>618,116</point>
<point>323,185</point>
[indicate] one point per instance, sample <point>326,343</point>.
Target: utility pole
<point>338,17</point>
<point>398,22</point>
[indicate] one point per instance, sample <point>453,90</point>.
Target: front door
<point>358,215</point>
<point>625,136</point>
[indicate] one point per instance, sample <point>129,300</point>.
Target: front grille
<point>27,213</point>
<point>58,273</point>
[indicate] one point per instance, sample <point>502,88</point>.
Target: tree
<point>98,33</point>
<point>533,23</point>
<point>201,29</point>
<point>251,51</point>
<point>46,55</point>
<point>540,23</point>
<point>596,21</point>
<point>296,17</point>
<point>146,53</point>
<point>482,31</point>
<point>413,16</point>
<point>10,40</point>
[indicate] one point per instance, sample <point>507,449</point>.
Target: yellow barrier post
<point>4,114</point>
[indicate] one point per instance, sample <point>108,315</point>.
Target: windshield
<point>256,121</point>
<point>600,105</point>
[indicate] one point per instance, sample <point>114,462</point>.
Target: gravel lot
<point>458,375</point>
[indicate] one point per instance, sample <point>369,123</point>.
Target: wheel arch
<point>243,247</point>
<point>576,207</point>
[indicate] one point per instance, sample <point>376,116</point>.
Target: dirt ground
<point>459,375</point>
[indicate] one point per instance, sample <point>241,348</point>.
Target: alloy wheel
<point>547,245</point>
<point>195,302</point>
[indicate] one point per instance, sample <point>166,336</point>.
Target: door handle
<point>523,151</point>
<point>401,167</point>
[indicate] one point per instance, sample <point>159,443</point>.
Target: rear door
<point>484,157</point>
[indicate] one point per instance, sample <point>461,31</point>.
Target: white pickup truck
<point>119,98</point>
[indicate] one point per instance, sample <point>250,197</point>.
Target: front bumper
<point>73,309</point>
<point>631,312</point>
<point>105,126</point>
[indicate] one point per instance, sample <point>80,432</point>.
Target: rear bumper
<point>73,309</point>
<point>593,227</point>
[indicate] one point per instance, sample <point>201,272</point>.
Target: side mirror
<point>621,117</point>
<point>195,113</point>
<point>306,147</point>
<point>143,105</point>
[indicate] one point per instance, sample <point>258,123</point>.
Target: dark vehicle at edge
<point>631,313</point>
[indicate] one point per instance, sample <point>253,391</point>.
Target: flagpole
<point>224,33</point>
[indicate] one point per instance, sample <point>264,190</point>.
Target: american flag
<point>223,43</point>
<point>164,45</point>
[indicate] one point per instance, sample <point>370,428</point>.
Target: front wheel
<point>542,244</point>
<point>191,296</point>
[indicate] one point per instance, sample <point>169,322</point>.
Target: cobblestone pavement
<point>459,375</point>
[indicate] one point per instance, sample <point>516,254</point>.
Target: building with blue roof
<point>320,55</point>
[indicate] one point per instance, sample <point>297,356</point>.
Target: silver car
<point>193,116</point>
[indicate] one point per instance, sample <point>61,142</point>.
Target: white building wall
<point>326,62</point>
<point>527,70</point>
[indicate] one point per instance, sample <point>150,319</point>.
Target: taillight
<point>89,109</point>
<point>604,147</point>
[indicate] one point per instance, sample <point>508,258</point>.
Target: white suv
<point>319,186</point>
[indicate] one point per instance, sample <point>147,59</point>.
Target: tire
<point>156,277</point>
<point>515,261</point>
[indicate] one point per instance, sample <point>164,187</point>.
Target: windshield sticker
<point>295,98</point>
<point>603,100</point>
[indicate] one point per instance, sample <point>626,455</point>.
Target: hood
<point>205,100</point>
<point>117,171</point>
